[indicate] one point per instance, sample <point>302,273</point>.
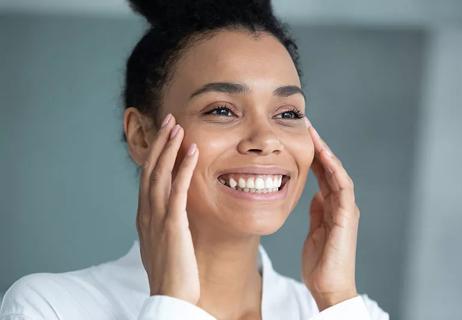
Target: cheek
<point>302,150</point>
<point>211,146</point>
<point>207,142</point>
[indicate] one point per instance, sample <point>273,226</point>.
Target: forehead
<point>237,56</point>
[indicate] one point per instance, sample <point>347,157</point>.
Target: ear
<point>139,133</point>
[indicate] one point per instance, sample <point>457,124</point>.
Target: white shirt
<point>119,289</point>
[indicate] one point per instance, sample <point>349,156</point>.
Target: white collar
<point>278,290</point>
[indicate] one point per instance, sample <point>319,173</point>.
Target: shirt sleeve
<point>162,307</point>
<point>358,308</point>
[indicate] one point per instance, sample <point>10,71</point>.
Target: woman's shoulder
<point>37,295</point>
<point>47,295</point>
<point>48,284</point>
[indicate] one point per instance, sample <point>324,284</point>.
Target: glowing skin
<point>260,129</point>
<point>252,136</point>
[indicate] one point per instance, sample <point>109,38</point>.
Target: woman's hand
<point>329,251</point>
<point>166,244</point>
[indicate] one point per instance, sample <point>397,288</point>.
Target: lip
<point>256,170</point>
<point>271,196</point>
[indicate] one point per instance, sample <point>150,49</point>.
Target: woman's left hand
<point>329,250</point>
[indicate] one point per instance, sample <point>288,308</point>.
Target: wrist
<point>326,300</point>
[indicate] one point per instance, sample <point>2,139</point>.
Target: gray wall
<point>66,176</point>
<point>433,281</point>
<point>68,190</point>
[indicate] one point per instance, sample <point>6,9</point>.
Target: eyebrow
<point>229,87</point>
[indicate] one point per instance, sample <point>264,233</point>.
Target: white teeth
<point>262,183</point>
<point>269,182</point>
<point>232,183</point>
<point>250,184</point>
<point>241,183</point>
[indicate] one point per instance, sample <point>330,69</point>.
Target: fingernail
<point>328,151</point>
<point>175,130</point>
<point>192,149</point>
<point>329,170</point>
<point>166,120</point>
<point>308,123</point>
<point>316,133</point>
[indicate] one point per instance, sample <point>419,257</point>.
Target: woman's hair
<point>177,24</point>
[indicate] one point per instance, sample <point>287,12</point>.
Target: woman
<point>215,122</point>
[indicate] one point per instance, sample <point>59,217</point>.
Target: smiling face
<point>255,126</point>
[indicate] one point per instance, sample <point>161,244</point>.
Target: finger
<point>320,174</point>
<point>180,186</point>
<point>307,121</point>
<point>335,174</point>
<point>316,212</point>
<point>341,185</point>
<point>161,176</point>
<point>319,144</point>
<point>339,181</point>
<point>318,166</point>
<point>330,167</point>
<point>161,137</point>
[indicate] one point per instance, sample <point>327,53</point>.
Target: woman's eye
<point>295,114</point>
<point>221,111</point>
<point>225,111</point>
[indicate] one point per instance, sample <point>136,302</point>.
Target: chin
<point>264,224</point>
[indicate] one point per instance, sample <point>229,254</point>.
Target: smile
<point>255,187</point>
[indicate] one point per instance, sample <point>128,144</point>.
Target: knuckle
<point>176,187</point>
<point>170,226</point>
<point>349,181</point>
<point>141,222</point>
<point>145,166</point>
<point>156,174</point>
<point>352,184</point>
<point>145,172</point>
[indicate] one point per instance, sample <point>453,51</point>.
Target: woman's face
<point>259,129</point>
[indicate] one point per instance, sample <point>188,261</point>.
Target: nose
<point>260,139</point>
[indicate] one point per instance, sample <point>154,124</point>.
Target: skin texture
<point>259,129</point>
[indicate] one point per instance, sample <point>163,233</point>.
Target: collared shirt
<point>119,289</point>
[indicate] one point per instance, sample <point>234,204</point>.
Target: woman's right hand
<point>166,245</point>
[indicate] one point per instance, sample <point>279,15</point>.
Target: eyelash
<point>298,113</point>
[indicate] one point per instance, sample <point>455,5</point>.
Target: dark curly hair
<point>174,26</point>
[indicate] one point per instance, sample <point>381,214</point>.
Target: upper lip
<point>257,170</point>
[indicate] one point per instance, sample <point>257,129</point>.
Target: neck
<point>231,285</point>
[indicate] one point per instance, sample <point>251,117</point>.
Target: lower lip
<point>278,195</point>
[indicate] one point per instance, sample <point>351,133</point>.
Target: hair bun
<point>156,11</point>
<point>180,12</point>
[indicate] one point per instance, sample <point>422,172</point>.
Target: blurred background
<point>384,84</point>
